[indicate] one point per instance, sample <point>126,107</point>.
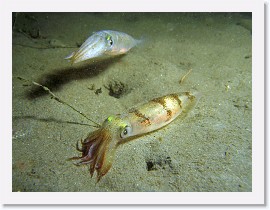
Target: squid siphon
<point>98,149</point>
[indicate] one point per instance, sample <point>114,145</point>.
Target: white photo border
<point>257,196</point>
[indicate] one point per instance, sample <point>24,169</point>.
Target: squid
<point>102,44</point>
<point>99,148</point>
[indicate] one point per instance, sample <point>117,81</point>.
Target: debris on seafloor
<point>117,88</point>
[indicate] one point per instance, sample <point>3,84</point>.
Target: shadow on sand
<point>60,77</point>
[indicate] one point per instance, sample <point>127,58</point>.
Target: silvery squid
<point>105,43</point>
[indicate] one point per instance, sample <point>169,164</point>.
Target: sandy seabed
<point>209,150</point>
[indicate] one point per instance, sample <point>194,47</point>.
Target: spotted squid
<point>102,44</point>
<point>98,149</point>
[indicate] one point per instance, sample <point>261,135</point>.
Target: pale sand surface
<point>208,150</point>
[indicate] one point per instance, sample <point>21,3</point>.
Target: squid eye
<point>109,38</point>
<point>126,132</point>
<point>111,42</point>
